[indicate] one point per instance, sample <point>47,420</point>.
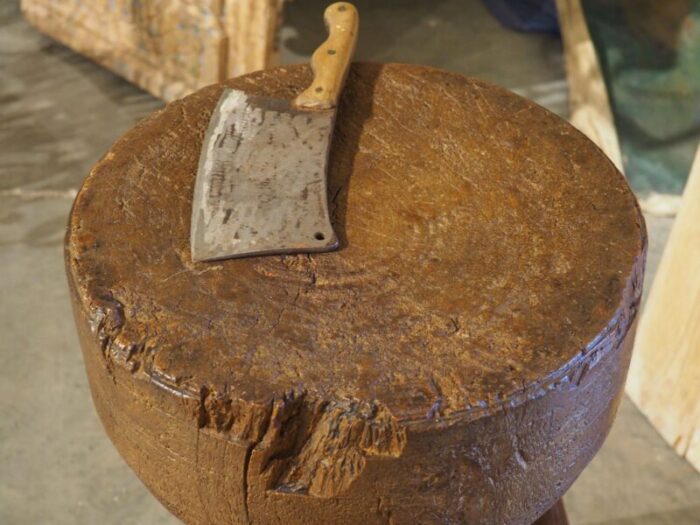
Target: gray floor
<point>59,113</point>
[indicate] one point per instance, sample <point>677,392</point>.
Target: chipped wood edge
<point>664,377</point>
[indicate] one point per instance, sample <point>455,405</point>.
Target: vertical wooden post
<point>168,48</point>
<point>664,377</point>
<point>252,28</point>
<point>588,96</point>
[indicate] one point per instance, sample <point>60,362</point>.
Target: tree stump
<point>459,360</point>
<point>665,372</point>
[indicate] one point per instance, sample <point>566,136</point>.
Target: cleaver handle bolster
<point>331,61</point>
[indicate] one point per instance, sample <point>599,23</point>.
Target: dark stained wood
<point>554,516</point>
<point>458,360</point>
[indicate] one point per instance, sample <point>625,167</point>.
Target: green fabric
<point>655,95</point>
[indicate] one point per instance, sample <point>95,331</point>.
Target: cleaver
<point>261,179</point>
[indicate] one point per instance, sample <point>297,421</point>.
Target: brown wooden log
<point>169,47</point>
<point>460,359</point>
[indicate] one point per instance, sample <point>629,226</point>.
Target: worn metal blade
<point>261,181</point>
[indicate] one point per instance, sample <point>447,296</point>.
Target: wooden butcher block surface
<point>458,360</point>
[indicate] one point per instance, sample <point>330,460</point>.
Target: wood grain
<point>664,378</point>
<point>169,48</point>
<point>476,323</point>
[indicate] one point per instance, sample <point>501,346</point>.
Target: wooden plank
<point>252,38</point>
<point>588,96</point>
<point>169,48</point>
<point>664,377</point>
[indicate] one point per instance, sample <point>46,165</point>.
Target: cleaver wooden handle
<point>331,61</point>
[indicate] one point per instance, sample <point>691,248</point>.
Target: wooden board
<point>664,378</point>
<point>169,47</point>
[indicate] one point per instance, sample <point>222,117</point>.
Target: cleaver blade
<point>261,180</point>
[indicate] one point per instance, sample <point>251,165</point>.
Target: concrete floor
<point>59,113</point>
